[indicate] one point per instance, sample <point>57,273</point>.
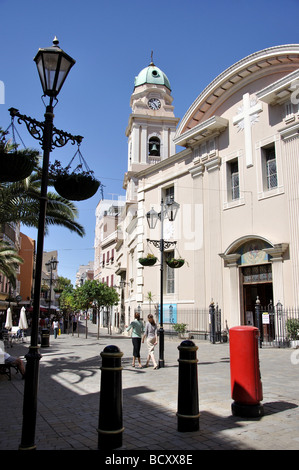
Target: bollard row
<point>246,386</point>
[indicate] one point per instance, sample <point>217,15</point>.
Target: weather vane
<point>152,59</point>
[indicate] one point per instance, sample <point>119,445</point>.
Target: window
<point>289,111</point>
<point>233,180</point>
<point>154,147</point>
<point>255,274</point>
<point>169,275</point>
<point>269,167</point>
<point>169,193</point>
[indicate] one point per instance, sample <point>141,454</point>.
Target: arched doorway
<point>250,272</point>
<point>255,278</point>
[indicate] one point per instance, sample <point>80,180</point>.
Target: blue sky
<point>193,42</point>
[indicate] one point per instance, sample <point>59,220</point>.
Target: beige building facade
<point>236,181</point>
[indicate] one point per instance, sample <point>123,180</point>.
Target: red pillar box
<point>246,385</point>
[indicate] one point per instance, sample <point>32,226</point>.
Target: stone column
<point>276,254</point>
<point>231,262</point>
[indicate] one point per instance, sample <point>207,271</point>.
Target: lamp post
<point>52,266</point>
<point>169,209</point>
<point>53,66</point>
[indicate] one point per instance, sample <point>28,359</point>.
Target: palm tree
<point>19,202</point>
<point>9,262</point>
<point>150,298</point>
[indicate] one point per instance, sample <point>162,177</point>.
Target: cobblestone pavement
<point>69,390</point>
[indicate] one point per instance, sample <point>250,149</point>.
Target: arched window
<point>154,147</point>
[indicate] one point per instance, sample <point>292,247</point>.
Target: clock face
<point>154,103</point>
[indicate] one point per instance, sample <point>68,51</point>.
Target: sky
<point>192,42</point>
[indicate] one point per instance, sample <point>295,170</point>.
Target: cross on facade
<point>247,116</point>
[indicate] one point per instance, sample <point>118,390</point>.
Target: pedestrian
<point>55,326</point>
<point>151,333</point>
<point>74,323</point>
<point>137,329</point>
<point>14,361</point>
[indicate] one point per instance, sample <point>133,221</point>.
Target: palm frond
<point>19,202</point>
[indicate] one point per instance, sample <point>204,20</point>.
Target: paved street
<point>69,386</point>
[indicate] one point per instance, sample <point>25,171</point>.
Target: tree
<point>150,298</point>
<point>19,202</point>
<point>94,291</point>
<point>110,298</point>
<point>62,283</point>
<point>9,262</point>
<point>67,301</point>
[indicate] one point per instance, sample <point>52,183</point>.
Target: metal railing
<point>278,325</point>
<point>200,323</point>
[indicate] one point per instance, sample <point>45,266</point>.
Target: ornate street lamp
<point>51,266</point>
<point>168,210</point>
<point>53,66</point>
<point>152,218</point>
<point>171,209</point>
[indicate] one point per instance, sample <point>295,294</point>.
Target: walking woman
<point>137,329</point>
<point>151,333</point>
<point>55,326</point>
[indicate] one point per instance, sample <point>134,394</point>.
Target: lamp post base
<point>30,399</point>
<point>161,348</point>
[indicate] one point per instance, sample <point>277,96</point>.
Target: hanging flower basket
<point>150,260</point>
<point>175,262</point>
<point>74,185</point>
<point>17,165</point>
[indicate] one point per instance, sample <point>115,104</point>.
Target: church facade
<point>235,180</point>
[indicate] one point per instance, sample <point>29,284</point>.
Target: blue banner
<point>169,313</point>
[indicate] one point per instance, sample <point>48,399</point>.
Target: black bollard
<point>188,409</point>
<point>110,416</point>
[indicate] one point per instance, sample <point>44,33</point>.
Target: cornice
<point>279,57</point>
<point>279,91</point>
<point>205,129</point>
<point>147,118</point>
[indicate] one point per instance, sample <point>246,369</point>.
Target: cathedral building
<point>235,180</point>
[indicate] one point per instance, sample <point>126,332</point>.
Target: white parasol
<point>8,323</point>
<point>23,325</point>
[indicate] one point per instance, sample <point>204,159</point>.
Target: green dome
<point>152,75</point>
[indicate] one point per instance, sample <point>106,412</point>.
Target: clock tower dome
<point>152,124</point>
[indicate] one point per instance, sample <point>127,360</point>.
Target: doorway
<point>257,282</point>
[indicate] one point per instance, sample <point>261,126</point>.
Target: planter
<point>294,343</point>
<point>16,166</point>
<point>175,263</point>
<point>76,187</point>
<point>147,261</point>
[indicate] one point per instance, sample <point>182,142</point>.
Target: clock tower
<point>152,124</point>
